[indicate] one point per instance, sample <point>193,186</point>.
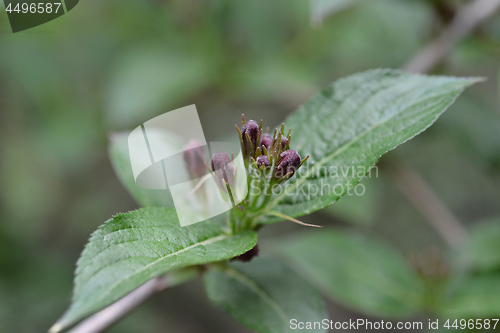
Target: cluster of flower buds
<point>266,152</point>
<point>263,153</point>
<point>268,162</point>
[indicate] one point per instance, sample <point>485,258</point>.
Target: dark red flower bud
<point>247,256</point>
<point>283,141</point>
<point>252,129</point>
<point>223,169</point>
<point>195,162</point>
<point>289,162</point>
<point>266,140</point>
<point>263,160</point>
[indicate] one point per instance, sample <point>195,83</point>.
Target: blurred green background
<point>111,65</point>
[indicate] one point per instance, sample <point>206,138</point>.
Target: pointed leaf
<point>265,296</point>
<point>349,125</point>
<point>131,248</point>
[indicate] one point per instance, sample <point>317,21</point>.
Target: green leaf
<point>349,125</point>
<point>265,295</point>
<point>356,271</point>
<point>131,248</point>
<point>482,250</point>
<point>120,159</point>
<point>359,209</point>
<point>475,296</point>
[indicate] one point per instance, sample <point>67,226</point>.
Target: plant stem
<point>468,18</point>
<point>423,198</point>
<point>418,192</point>
<point>110,315</point>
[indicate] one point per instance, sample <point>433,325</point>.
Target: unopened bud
<point>283,141</point>
<point>223,169</point>
<point>289,162</point>
<point>252,129</point>
<point>263,160</point>
<point>266,140</point>
<point>195,162</point>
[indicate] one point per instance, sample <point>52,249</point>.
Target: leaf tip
<point>55,328</point>
<point>469,81</point>
<point>477,79</point>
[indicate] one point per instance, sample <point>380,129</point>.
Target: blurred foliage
<point>263,295</point>
<point>481,252</point>
<point>120,158</point>
<point>360,272</point>
<point>110,65</point>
